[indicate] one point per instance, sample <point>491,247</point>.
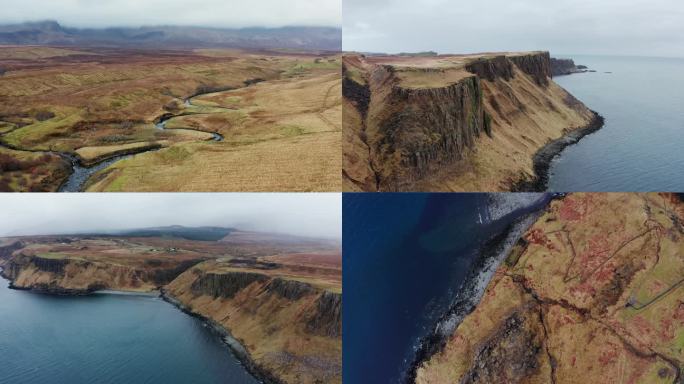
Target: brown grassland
<point>279,114</point>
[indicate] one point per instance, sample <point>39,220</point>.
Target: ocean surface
<point>405,256</point>
<point>107,338</point>
<point>641,146</point>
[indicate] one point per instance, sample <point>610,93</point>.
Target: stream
<point>81,174</point>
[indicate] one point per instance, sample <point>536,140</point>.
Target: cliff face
<point>73,275</point>
<point>561,67</point>
<point>7,250</point>
<point>591,293</point>
<point>450,123</point>
<point>290,329</point>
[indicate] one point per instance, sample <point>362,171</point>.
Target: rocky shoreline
<point>235,346</point>
<point>543,158</point>
<point>491,254</point>
<point>563,67</point>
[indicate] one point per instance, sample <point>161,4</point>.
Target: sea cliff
<point>452,123</point>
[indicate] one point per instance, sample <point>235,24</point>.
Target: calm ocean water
<point>641,146</point>
<point>405,256</point>
<point>107,338</point>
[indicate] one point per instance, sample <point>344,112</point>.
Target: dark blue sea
<point>107,338</point>
<point>405,256</point>
<point>641,146</point>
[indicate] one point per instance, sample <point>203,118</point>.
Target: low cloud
<point>316,215</point>
<point>212,13</point>
<point>618,27</point>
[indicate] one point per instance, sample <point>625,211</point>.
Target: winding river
<point>81,174</point>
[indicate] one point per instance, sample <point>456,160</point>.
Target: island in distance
<point>169,108</point>
<point>480,122</point>
<point>276,299</point>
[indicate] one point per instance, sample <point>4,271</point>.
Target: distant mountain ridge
<point>202,233</point>
<point>294,37</point>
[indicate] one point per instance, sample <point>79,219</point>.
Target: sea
<point>108,338</point>
<point>640,148</point>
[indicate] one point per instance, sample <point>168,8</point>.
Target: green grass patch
<point>291,130</point>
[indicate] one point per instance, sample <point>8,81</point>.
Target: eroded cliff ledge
<point>592,293</point>
<point>452,123</point>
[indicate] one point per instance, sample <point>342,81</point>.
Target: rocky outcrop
<point>225,285</point>
<point>538,66</point>
<point>544,156</point>
<point>560,67</point>
<point>20,262</point>
<point>289,289</point>
<point>327,318</point>
<point>358,94</point>
<point>492,69</point>
<point>421,130</point>
<point>513,352</point>
<point>64,275</point>
<point>454,126</point>
<point>163,274</point>
<point>7,250</point>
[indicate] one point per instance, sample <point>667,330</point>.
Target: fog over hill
<point>308,215</point>
<point>289,37</point>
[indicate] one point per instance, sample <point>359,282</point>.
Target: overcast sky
<point>214,13</point>
<point>315,214</point>
<point>617,27</point>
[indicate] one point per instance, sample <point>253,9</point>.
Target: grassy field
<point>274,110</point>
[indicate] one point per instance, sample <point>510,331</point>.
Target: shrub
<point>44,115</point>
<point>4,186</point>
<point>9,163</point>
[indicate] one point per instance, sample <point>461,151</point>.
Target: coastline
<point>543,157</point>
<point>236,348</point>
<point>490,256</point>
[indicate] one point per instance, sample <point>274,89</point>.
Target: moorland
<point>592,292</point>
<point>84,118</point>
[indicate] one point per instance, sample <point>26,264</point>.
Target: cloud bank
<point>305,214</point>
<point>612,27</point>
<point>205,13</point>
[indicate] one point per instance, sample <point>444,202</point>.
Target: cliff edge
<point>452,123</point>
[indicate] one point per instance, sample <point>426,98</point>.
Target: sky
<point>306,214</point>
<point>211,13</point>
<point>610,27</point>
